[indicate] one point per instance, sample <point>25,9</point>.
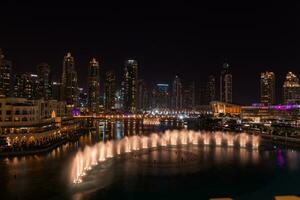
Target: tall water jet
<point>144,142</point>
<point>230,140</point>
<point>127,145</point>
<point>218,138</point>
<point>109,149</point>
<point>102,152</point>
<point>206,139</point>
<point>174,138</point>
<point>255,141</point>
<point>154,140</point>
<point>243,139</point>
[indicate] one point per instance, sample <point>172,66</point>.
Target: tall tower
<point>5,76</point>
<point>177,93</point>
<point>30,83</point>
<point>130,86</point>
<point>69,81</point>
<point>226,84</point>
<point>211,88</point>
<point>291,89</point>
<point>45,82</point>
<point>110,90</point>
<point>267,88</point>
<point>93,86</point>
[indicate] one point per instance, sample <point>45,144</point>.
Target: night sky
<point>189,40</point>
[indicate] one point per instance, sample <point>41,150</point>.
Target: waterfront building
<point>5,76</point>
<point>110,91</point>
<point>69,82</point>
<point>20,115</point>
<point>267,88</point>
<point>44,81</point>
<point>161,96</point>
<point>93,86</point>
<point>224,108</point>
<point>260,113</point>
<point>291,89</point>
<point>130,86</point>
<point>177,94</point>
<point>143,96</point>
<point>226,84</point>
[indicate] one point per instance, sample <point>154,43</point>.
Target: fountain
<point>94,155</point>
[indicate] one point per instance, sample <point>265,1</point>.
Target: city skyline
<point>250,38</point>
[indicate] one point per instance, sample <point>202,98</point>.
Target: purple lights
<point>75,112</point>
<point>285,107</point>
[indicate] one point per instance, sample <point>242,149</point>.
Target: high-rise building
<point>57,91</point>
<point>211,88</point>
<point>226,84</point>
<point>45,82</point>
<point>5,76</point>
<point>143,96</point>
<point>177,93</point>
<point>83,98</point>
<point>17,86</point>
<point>30,83</point>
<point>291,89</point>
<point>69,82</point>
<point>162,96</point>
<point>110,91</point>
<point>188,99</point>
<point>94,86</point>
<point>267,88</point>
<point>130,86</point>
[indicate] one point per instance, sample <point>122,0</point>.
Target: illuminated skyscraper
<point>130,86</point>
<point>5,76</point>
<point>211,88</point>
<point>30,83</point>
<point>226,84</point>
<point>110,91</point>
<point>69,81</point>
<point>162,96</point>
<point>291,89</point>
<point>93,86</point>
<point>45,82</point>
<point>267,88</point>
<point>177,93</point>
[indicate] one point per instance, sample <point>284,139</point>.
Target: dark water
<point>165,173</point>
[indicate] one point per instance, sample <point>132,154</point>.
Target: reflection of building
<point>130,86</point>
<point>93,86</point>
<point>5,76</point>
<point>110,91</point>
<point>226,84</point>
<point>225,108</point>
<point>291,89</point>
<point>45,82</point>
<point>161,96</point>
<point>188,96</point>
<point>267,88</point>
<point>176,93</point>
<point>278,113</point>
<point>69,81</point>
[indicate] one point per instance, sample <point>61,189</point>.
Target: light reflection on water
<point>46,175</point>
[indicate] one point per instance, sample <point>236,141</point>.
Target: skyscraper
<point>188,99</point>
<point>17,86</point>
<point>211,88</point>
<point>177,93</point>
<point>110,91</point>
<point>130,86</point>
<point>226,84</point>
<point>267,88</point>
<point>45,82</point>
<point>69,81</point>
<point>30,83</point>
<point>94,86</point>
<point>5,76</point>
<point>162,96</point>
<point>291,89</point>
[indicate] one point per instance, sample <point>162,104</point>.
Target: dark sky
<point>191,40</point>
